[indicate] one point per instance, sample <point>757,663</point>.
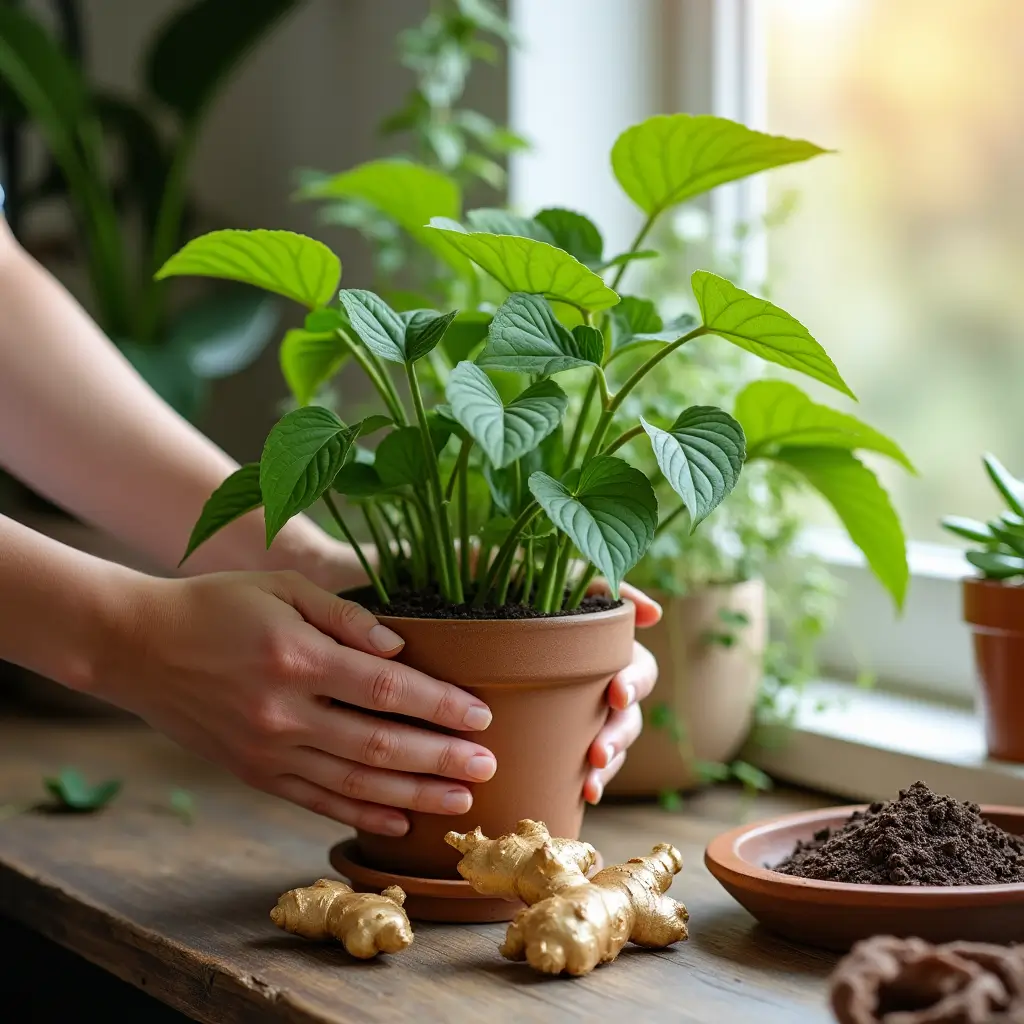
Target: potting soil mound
<point>920,838</point>
<point>429,604</point>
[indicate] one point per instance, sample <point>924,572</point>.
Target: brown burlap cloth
<point>909,981</point>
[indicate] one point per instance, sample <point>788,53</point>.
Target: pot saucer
<point>834,915</point>
<point>451,900</point>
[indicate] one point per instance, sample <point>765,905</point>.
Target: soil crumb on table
<point>921,838</point>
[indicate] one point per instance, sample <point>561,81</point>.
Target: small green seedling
<point>73,793</point>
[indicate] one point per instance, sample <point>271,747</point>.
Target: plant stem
<point>451,582</point>
<point>385,556</point>
<point>582,586</point>
<point>464,550</point>
<point>545,586</point>
<point>623,438</point>
<point>561,573</point>
<point>395,403</point>
<point>507,551</point>
<point>581,424</point>
<point>461,466</point>
<point>637,242</point>
<point>528,573</point>
<point>347,534</point>
<point>384,387</point>
<point>670,518</point>
<point>417,549</point>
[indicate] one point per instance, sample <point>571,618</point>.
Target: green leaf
<point>711,771</point>
<point>360,480</point>
<point>1012,539</point>
<point>777,414</point>
<point>309,360</point>
<point>424,331</point>
<point>199,46</point>
<point>577,235</point>
<point>504,432</point>
<point>589,342</point>
<point>371,424</point>
<point>236,497</point>
<point>326,320</point>
<point>183,804</point>
<point>467,331</point>
<point>608,510</point>
<point>526,337</point>
<point>399,338</point>
<point>670,800</point>
<point>994,565</point>
<point>762,328</point>
<point>495,532</point>
<point>225,332</point>
<point>637,322</point>
<point>304,452</point>
<point>701,455</point>
<point>400,458</point>
<point>863,507</point>
<point>627,257</point>
<point>410,194</point>
<point>504,222</point>
<point>291,265</point>
<point>526,265</point>
<point>670,158</point>
<point>73,793</point>
<point>1006,483</point>
<point>752,778</point>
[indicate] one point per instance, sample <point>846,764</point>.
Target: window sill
<point>865,745</point>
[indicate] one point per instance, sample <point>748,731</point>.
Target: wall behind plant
<point>311,96</point>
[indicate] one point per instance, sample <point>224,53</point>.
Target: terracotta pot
<point>995,613</point>
<point>711,688</point>
<point>544,681</point>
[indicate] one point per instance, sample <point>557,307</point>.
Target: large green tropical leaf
<point>197,48</point>
<point>309,360</point>
<point>608,510</point>
<point>526,265</point>
<point>776,414</point>
<point>303,454</point>
<point>701,455</point>
<point>670,158</point>
<point>238,495</point>
<point>862,506</point>
<point>525,336</point>
<point>283,262</point>
<point>504,432</point>
<point>762,328</point>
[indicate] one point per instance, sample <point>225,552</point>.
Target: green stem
<point>624,438</point>
<point>384,386</point>
<point>546,584</point>
<point>464,550</point>
<point>637,242</point>
<point>417,549</point>
<point>394,403</point>
<point>461,466</point>
<point>385,556</point>
<point>396,535</point>
<point>670,518</point>
<point>347,534</point>
<point>561,573</point>
<point>507,551</point>
<point>581,425</point>
<point>528,572</point>
<point>582,586</point>
<point>451,582</point>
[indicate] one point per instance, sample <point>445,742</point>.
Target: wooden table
<point>181,910</point>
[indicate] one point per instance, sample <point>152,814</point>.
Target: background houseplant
<point>559,494</point>
<point>994,609</point>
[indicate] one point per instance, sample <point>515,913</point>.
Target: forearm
<point>81,427</point>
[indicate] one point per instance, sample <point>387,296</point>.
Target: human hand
<point>625,691</point>
<point>242,668</point>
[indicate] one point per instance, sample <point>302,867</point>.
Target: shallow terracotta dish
<point>834,915</point>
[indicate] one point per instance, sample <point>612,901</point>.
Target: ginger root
<point>363,922</point>
<point>570,923</point>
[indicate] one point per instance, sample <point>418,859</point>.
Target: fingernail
<point>630,694</point>
<point>598,792</point>
<point>457,801</point>
<point>396,826</point>
<point>609,754</point>
<point>477,717</point>
<point>481,766</point>
<point>385,640</point>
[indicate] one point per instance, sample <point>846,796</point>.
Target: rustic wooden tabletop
<point>181,910</point>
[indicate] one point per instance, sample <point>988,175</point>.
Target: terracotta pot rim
<point>536,622</point>
<point>725,863</point>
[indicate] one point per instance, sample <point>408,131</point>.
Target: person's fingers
<point>348,623</point>
<point>365,681</point>
<point>636,681</point>
<point>379,743</point>
<point>385,821</point>
<point>593,788</point>
<point>619,733</point>
<point>366,785</point>
<point>648,611</point>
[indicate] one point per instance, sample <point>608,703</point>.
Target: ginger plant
<point>363,922</point>
<point>572,924</point>
<point>513,466</point>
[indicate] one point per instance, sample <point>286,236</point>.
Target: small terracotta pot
<point>711,688</point>
<point>544,680</point>
<point>995,613</point>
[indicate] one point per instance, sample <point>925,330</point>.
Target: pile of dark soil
<point>921,838</point>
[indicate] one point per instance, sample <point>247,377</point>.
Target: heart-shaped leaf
<point>526,265</point>
<point>577,235</point>
<point>400,460</point>
<point>309,360</point>
<point>424,330</point>
<point>504,222</point>
<point>776,414</point>
<point>73,793</point>
<point>762,328</point>
<point>526,337</point>
<point>608,510</point>
<point>670,158</point>
<point>283,262</point>
<point>236,497</point>
<point>863,507</point>
<point>701,455</point>
<point>303,454</point>
<point>504,432</point>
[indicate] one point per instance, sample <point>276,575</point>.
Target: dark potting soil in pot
<point>429,604</point>
<point>921,838</point>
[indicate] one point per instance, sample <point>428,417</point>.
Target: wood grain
<point>181,911</point>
